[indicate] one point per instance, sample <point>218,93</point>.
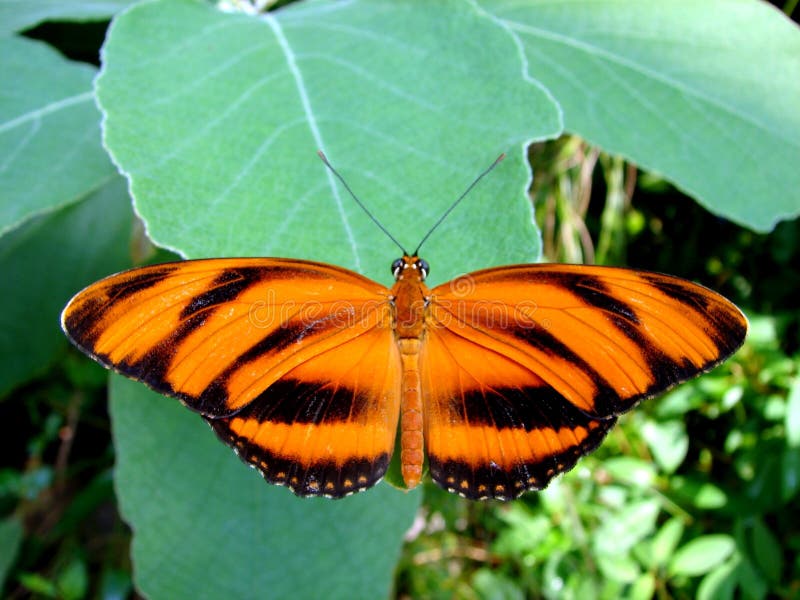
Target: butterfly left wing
<point>525,368</point>
<point>293,363</point>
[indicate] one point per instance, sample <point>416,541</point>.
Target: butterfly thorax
<point>409,296</point>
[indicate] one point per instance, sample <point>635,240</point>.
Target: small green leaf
<point>665,542</point>
<point>618,567</point>
<point>700,493</point>
<point>10,540</point>
<point>701,555</point>
<point>643,588</point>
<point>767,551</point>
<point>631,470</point>
<point>73,581</point>
<point>720,583</point>
<point>668,441</point>
<point>38,584</point>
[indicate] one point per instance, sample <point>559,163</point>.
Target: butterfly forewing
<point>541,358</point>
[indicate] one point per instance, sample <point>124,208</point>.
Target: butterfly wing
<point>293,363</point>
<point>525,368</point>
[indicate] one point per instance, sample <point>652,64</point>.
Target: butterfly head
<point>410,266</point>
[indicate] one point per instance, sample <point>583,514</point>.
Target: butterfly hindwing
<point>545,356</point>
<point>328,426</point>
<point>493,427</point>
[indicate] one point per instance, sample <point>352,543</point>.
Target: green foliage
<point>214,117</point>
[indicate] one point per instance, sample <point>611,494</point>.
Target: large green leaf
<point>44,262</point>
<point>207,526</point>
<point>704,92</point>
<point>50,152</point>
<point>216,119</point>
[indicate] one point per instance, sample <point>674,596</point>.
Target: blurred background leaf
<point>10,539</point>
<point>692,90</point>
<point>48,132</point>
<point>79,243</point>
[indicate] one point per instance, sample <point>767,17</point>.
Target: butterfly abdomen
<point>411,438</point>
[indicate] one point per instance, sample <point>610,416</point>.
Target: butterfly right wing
<point>293,363</point>
<point>525,368</point>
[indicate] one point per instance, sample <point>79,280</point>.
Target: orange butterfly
<point>502,378</point>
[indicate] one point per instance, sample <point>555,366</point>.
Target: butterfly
<point>496,381</point>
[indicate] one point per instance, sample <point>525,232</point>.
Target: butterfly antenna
<point>361,204</point>
<point>458,200</point>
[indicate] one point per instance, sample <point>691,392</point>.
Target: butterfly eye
<point>397,266</point>
<point>423,267</point>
